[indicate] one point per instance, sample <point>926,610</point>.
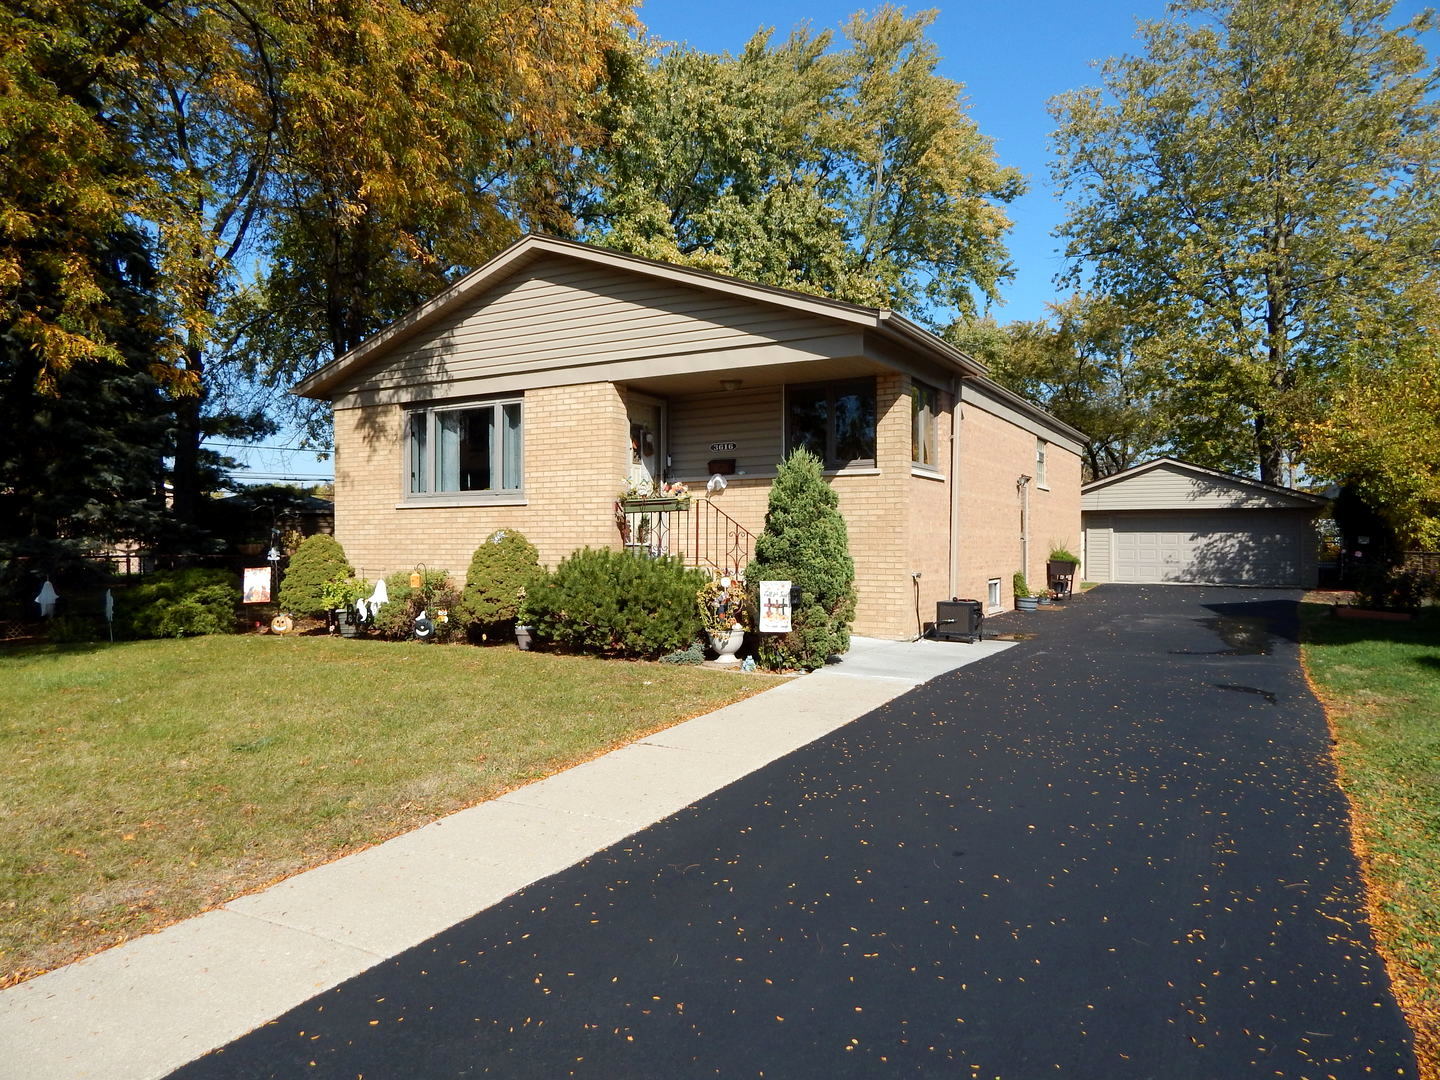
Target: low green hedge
<point>178,603</point>
<point>616,604</point>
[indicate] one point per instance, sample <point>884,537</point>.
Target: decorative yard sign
<point>257,584</point>
<point>721,447</point>
<point>774,607</point>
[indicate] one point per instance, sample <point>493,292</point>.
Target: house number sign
<point>721,447</point>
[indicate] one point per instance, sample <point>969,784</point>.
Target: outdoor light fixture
<point>417,576</point>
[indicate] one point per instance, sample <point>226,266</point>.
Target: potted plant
<point>1024,599</point>
<point>524,629</point>
<point>654,497</point>
<point>340,595</point>
<point>1061,566</point>
<point>1045,597</point>
<point>722,610</point>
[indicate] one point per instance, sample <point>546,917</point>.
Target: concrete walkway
<point>145,1008</point>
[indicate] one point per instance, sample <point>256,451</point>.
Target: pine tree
<point>806,543</point>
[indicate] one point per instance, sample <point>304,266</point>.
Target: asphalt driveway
<point>1114,851</point>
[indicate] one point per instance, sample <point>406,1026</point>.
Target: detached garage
<point>1170,521</point>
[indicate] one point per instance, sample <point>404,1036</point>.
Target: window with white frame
<point>473,449</point>
<point>924,404</point>
<point>1040,447</point>
<point>992,594</point>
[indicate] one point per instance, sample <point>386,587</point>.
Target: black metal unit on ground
<point>958,620</point>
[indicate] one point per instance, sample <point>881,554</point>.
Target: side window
<point>1040,448</point>
<point>924,401</point>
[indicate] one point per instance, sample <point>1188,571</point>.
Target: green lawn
<point>1380,682</point>
<point>144,782</point>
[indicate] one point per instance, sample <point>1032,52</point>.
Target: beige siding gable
<point>1172,487</point>
<point>558,314</point>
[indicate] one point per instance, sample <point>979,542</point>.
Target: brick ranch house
<point>527,393</point>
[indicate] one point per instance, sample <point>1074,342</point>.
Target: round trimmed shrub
<point>501,569</point>
<point>616,604</point>
<point>318,559</point>
<point>805,542</point>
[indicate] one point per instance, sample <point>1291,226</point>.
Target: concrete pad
<point>144,1009</point>
<point>911,662</point>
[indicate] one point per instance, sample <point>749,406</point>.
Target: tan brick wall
<point>875,517</point>
<point>576,441</point>
<point>994,454</point>
<point>576,450</point>
<point>928,507</point>
<point>1055,514</point>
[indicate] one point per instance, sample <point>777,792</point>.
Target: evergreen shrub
<point>318,559</point>
<point>178,603</point>
<point>616,604</point>
<point>805,542</point>
<point>1020,586</point>
<point>395,621</point>
<point>501,569</point>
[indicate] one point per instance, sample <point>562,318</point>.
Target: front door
<point>647,442</point>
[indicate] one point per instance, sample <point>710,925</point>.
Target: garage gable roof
<point>1150,491</point>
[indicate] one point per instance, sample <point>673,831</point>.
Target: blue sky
<point>1012,57</point>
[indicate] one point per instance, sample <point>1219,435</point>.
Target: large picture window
<point>468,448</point>
<point>834,421</point>
<point>924,404</point>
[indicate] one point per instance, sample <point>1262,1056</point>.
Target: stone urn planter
<point>726,643</point>
<point>523,640</point>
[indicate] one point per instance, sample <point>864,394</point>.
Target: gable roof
<point>886,324</point>
<point>1201,471</point>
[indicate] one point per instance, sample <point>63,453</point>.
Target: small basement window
<point>992,594</point>
<point>473,448</point>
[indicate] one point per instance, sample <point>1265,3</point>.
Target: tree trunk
<point>1268,450</point>
<point>185,480</point>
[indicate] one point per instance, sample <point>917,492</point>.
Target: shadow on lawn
<point>1323,626</point>
<point>44,650</point>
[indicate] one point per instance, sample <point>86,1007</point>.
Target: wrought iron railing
<point>722,545</point>
<point>698,532</point>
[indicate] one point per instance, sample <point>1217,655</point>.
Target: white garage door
<point>1244,548</point>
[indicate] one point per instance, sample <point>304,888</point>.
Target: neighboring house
<point>1170,521</point>
<point>527,393</point>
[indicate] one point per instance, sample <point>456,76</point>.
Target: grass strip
<point>144,782</point>
<point>1380,684</point>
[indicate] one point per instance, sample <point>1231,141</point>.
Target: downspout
<point>1023,486</point>
<point>956,416</point>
